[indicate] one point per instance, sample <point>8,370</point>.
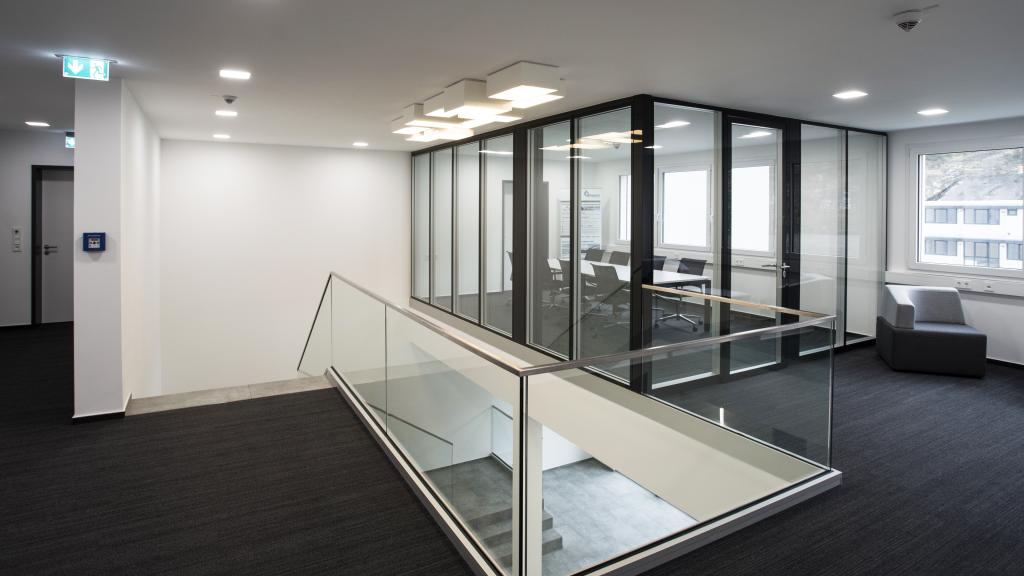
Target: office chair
<point>658,262</point>
<point>594,254</point>
<point>686,266</point>
<point>620,258</point>
<point>557,282</point>
<point>611,291</point>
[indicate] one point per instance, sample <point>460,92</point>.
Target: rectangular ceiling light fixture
<point>413,115</point>
<point>524,82</point>
<point>467,99</point>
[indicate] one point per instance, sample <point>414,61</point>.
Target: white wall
<point>19,151</point>
<point>999,316</point>
<point>248,234</point>
<point>140,251</point>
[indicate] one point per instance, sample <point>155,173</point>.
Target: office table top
<point>661,277</point>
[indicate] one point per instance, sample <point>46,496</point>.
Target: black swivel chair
<point>692,266</point>
<point>608,289</point>
<point>620,258</point>
<point>658,262</point>
<point>593,254</point>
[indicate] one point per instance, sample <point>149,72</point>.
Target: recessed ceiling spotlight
<point>933,112</point>
<point>577,157</point>
<point>757,134</point>
<point>673,124</point>
<point>222,136</point>
<point>360,144</point>
<point>226,113</point>
<point>38,124</point>
<point>655,147</point>
<point>850,94</point>
<point>235,74</point>
<point>496,152</point>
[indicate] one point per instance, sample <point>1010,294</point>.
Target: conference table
<point>663,278</point>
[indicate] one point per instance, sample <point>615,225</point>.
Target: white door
<point>57,215</point>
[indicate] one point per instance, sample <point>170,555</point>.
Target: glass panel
<point>358,343</point>
<point>603,153</point>
<point>756,260</point>
<point>421,227</point>
<point>822,241</point>
<point>446,408</point>
<point>442,227</point>
<point>985,185</point>
<point>601,496</point>
<point>467,233</point>
<point>550,239</point>
<point>865,237</point>
<point>498,189</point>
<point>686,246</point>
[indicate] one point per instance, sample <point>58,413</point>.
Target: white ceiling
<point>329,72</point>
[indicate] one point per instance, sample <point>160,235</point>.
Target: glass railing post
<point>527,471</point>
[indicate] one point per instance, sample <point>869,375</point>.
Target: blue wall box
<point>94,241</point>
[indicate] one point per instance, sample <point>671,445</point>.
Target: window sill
<point>965,283</point>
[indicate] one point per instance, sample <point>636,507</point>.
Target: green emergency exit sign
<point>87,68</point>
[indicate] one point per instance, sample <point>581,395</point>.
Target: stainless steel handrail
<point>520,370</point>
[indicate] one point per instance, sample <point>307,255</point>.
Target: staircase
<point>480,491</point>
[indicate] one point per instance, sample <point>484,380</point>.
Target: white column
<point>97,275</point>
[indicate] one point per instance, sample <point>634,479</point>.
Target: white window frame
<point>915,215</point>
<point>659,215</point>
<point>773,207</point>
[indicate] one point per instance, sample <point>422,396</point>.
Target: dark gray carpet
<point>934,484</point>
<point>284,485</point>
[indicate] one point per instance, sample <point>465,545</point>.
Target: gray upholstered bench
<point>922,329</point>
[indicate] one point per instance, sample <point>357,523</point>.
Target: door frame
<point>37,237</point>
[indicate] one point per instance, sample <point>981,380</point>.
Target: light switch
<point>16,239</point>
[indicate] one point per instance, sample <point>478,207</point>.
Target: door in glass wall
<point>441,175</point>
<point>865,251</point>
<point>602,152</point>
<point>496,165</point>
<point>467,230</point>
<point>421,227</point>
<point>822,220</point>
<point>686,241</point>
<point>758,268</point>
<point>550,239</point>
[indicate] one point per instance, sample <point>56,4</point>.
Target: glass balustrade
<point>555,469</point>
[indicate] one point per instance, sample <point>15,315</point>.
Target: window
<point>625,208</point>
<point>987,186</point>
<point>940,247</point>
<point>940,215</point>
<point>753,209</point>
<point>684,207</point>
<point>1013,251</point>
<point>981,216</point>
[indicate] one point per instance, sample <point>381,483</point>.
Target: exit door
<point>52,244</point>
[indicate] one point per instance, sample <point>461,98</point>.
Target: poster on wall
<point>590,218</point>
<point>564,239</point>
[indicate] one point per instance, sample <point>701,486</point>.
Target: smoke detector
<point>907,20</point>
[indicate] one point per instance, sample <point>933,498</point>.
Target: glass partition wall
<point>647,222</point>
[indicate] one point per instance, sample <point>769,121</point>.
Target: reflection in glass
<point>421,227</point>
<point>497,155</point>
<point>865,251</point>
<point>603,155</point>
<point>822,192</point>
<point>467,231</point>
<point>442,228</point>
<point>756,266</point>
<point>550,239</point>
<point>685,241</point>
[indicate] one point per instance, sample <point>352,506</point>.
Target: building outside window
<point>973,198</point>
